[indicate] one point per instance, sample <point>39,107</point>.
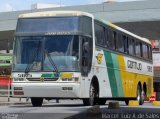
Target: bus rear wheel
<point>140,95</point>
<point>127,101</point>
<point>37,102</point>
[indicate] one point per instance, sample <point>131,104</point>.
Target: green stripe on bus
<point>111,74</point>
<point>117,75</point>
<point>47,75</point>
<point>52,75</point>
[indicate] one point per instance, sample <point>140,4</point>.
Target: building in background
<point>43,6</point>
<point>155,45</point>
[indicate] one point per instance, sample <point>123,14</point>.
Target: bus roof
<point>55,13</point>
<point>124,31</point>
<point>79,13</point>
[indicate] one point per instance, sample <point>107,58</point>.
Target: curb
<point>13,103</point>
<point>133,103</point>
<point>113,105</point>
<point>156,103</point>
<point>17,103</point>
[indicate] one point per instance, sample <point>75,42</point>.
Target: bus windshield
<point>31,53</point>
<point>49,24</point>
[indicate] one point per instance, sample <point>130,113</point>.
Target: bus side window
<point>75,47</point>
<point>141,50</point>
<point>137,49</point>
<point>111,39</point>
<point>120,43</point>
<point>125,42</point>
<point>145,51</point>
<point>133,42</point>
<point>99,34</point>
<point>85,58</point>
<point>106,42</point>
<point>115,39</point>
<point>150,52</point>
<point>131,46</point>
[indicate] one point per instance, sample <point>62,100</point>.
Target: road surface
<point>74,109</point>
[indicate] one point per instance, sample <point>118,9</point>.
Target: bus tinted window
<point>131,46</point>
<point>120,46</point>
<point>53,24</point>
<point>141,52</point>
<point>125,42</point>
<point>106,42</point>
<point>145,51</point>
<point>99,34</point>
<point>115,39</point>
<point>137,49</point>
<point>150,52</point>
<point>111,39</point>
<point>86,25</point>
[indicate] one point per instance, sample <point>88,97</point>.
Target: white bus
<point>73,55</point>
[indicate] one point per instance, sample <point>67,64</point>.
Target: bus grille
<point>42,79</point>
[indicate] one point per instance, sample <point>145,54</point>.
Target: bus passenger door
<point>86,55</point>
<point>86,62</point>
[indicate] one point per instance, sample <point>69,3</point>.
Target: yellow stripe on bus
<point>112,25</point>
<point>130,80</point>
<point>122,71</point>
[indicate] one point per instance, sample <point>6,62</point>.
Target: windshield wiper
<point>35,54</point>
<point>30,64</point>
<point>51,61</point>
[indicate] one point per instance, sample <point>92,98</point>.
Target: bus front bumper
<point>52,90</point>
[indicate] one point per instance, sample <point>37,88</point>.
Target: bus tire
<point>126,101</point>
<point>36,102</point>
<point>92,94</point>
<point>140,95</point>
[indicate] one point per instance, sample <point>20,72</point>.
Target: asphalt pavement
<point>13,101</point>
<point>74,109</point>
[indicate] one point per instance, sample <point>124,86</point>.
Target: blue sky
<point>15,5</point>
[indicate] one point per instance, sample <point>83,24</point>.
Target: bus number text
<point>149,68</point>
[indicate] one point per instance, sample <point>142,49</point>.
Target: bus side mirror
<point>86,47</point>
<point>85,58</point>
<point>85,54</point>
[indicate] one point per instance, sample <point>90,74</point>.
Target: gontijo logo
<point>99,58</point>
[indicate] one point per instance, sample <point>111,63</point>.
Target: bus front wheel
<point>36,102</point>
<point>92,94</point>
<point>101,101</point>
